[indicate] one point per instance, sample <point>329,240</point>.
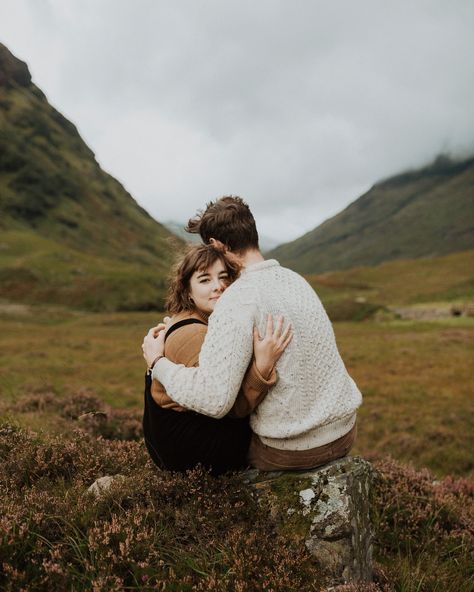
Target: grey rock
<point>329,508</point>
<point>103,484</point>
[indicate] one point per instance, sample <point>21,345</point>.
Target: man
<point>308,418</point>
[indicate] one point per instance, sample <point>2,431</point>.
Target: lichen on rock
<point>326,509</point>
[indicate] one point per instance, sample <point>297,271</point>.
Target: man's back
<point>314,399</point>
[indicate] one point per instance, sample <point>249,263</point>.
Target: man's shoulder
<point>236,303</point>
<point>277,276</point>
<point>238,292</point>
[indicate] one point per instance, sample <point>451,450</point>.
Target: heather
<point>152,530</point>
<point>164,531</point>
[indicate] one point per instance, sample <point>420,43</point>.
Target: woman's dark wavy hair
<point>195,258</point>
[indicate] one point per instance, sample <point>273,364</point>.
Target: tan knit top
<point>183,347</point>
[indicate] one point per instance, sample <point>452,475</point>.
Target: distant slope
<point>423,213</point>
<point>438,282</point>
<point>178,230</point>
<point>59,210</point>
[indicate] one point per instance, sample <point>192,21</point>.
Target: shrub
<point>351,310</point>
<point>425,528</point>
<point>151,530</point>
<point>157,530</point>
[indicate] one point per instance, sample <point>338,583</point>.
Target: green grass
<point>435,283</point>
<point>34,269</point>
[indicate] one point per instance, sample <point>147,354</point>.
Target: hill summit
<point>421,213</point>
<point>70,231</point>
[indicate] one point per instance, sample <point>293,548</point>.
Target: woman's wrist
<point>265,370</point>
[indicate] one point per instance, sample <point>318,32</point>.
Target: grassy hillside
<point>70,232</point>
<point>35,269</point>
<point>423,213</point>
<point>439,283</point>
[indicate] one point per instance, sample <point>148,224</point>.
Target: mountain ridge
<point>52,187</point>
<point>404,216</point>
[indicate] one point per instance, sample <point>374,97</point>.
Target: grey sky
<point>297,106</point>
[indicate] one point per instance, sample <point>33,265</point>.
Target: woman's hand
<point>267,350</point>
<point>154,344</point>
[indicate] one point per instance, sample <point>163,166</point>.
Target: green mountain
<point>70,232</point>
<point>422,213</point>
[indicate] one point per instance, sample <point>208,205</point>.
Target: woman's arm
<point>182,347</point>
<point>261,374</point>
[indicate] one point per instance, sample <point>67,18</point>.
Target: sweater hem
<point>318,436</point>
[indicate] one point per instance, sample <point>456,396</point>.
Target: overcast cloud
<point>297,106</point>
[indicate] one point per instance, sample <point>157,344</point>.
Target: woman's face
<point>206,286</point>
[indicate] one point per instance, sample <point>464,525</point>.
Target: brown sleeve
<point>253,390</point>
<point>182,347</point>
<point>184,344</point>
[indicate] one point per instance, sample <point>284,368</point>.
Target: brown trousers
<point>264,458</point>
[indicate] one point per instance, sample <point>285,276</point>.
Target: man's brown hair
<point>195,258</point>
<point>228,220</point>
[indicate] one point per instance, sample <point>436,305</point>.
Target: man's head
<point>229,221</point>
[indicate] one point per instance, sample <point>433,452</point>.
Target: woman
<point>177,438</point>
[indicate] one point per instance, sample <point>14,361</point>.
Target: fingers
<point>286,332</point>
<point>288,338</point>
<point>269,326</point>
<point>158,328</point>
<point>256,335</point>
<point>278,327</point>
<point>279,337</point>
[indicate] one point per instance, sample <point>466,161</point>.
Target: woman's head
<point>199,278</point>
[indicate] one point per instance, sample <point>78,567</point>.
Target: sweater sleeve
<point>253,391</point>
<point>212,387</point>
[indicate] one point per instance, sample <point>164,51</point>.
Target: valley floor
<point>416,377</point>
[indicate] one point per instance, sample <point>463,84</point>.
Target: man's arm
<point>212,387</point>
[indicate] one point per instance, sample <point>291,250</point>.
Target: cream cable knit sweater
<point>314,401</point>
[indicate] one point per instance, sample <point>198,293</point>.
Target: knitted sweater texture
<point>314,401</point>
<point>183,347</point>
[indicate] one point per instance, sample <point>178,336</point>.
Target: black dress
<point>182,440</point>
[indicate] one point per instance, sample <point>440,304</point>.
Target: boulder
<point>329,509</point>
<point>103,484</point>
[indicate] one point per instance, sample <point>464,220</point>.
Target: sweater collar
<point>260,266</point>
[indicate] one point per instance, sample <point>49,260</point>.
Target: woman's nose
<point>218,285</point>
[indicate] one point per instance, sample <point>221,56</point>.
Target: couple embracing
<point>247,371</point>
